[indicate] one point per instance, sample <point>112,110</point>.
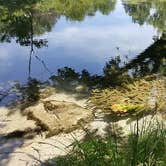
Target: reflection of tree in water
<point>77,10</point>
<point>31,91</point>
<point>149,11</point>
<point>149,61</point>
<point>17,21</point>
<point>116,72</point>
<point>22,21</point>
<point>18,17</point>
<point>25,20</point>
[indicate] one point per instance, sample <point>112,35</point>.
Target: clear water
<point>128,28</point>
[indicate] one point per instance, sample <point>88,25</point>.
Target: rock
<point>59,116</point>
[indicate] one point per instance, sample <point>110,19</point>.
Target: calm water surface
<point>38,37</point>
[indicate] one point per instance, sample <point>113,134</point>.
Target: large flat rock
<point>59,116</point>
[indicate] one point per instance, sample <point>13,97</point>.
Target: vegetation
<point>151,12</point>
<point>23,21</point>
<point>116,72</point>
<point>146,94</point>
<point>124,88</point>
<point>78,9</point>
<point>144,146</point>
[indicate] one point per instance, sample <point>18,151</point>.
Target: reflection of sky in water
<point>88,44</point>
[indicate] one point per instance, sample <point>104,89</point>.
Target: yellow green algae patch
<point>145,94</point>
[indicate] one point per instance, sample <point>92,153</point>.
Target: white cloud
<point>102,40</point>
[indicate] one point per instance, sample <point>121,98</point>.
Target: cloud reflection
<point>88,44</point>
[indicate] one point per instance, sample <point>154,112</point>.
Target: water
<point>38,37</point>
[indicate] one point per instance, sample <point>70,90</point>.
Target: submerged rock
<point>59,116</point>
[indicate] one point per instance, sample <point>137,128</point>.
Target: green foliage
<point>93,152</point>
<point>147,146</point>
<point>144,146</point>
<point>147,11</point>
<point>25,19</point>
<point>78,9</point>
<point>22,20</point>
<point>18,17</point>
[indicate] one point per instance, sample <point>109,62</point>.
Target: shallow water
<point>74,34</point>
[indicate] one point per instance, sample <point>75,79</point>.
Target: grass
<point>145,146</point>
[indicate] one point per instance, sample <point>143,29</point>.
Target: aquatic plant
<point>145,94</point>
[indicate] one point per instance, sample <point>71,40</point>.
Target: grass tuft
<point>145,146</point>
